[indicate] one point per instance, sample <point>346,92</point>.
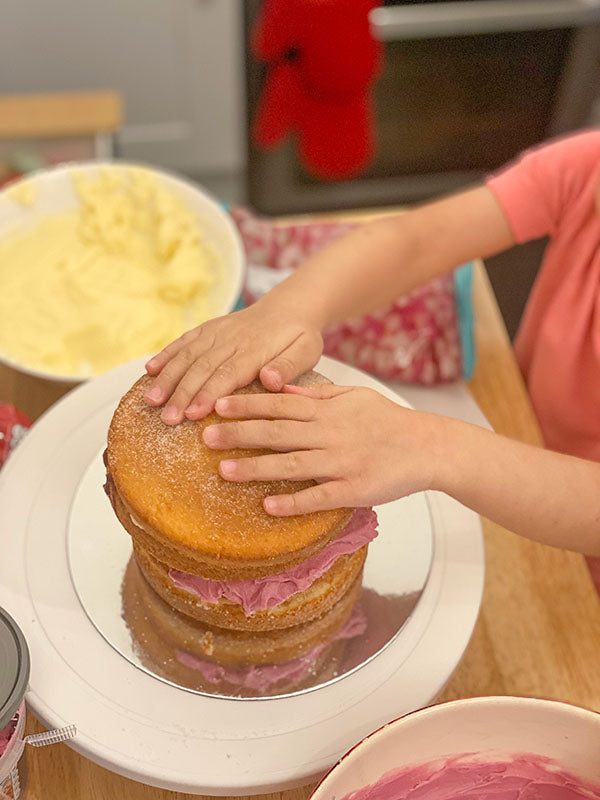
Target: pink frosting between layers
<point>273,590</point>
<point>524,777</point>
<point>263,677</point>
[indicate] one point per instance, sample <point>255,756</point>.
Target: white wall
<point>178,63</point>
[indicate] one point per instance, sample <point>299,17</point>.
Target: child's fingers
<point>157,362</point>
<point>322,391</point>
<point>301,355</point>
<point>299,465</point>
<point>183,355</point>
<point>261,434</point>
<point>238,370</point>
<point>323,496</point>
<point>266,406</point>
<point>185,374</point>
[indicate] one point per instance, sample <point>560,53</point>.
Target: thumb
<point>299,357</point>
<point>321,391</point>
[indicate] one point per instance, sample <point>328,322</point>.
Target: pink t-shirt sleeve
<point>536,189</point>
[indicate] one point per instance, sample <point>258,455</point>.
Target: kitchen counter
<point>539,628</point>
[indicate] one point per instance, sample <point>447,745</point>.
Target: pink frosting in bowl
<point>273,590</point>
<point>482,748</point>
<point>524,777</point>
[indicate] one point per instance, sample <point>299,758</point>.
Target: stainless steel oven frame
<point>271,178</point>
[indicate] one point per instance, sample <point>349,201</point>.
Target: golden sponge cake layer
<point>212,568</point>
<point>167,480</point>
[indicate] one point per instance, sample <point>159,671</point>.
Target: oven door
<point>465,87</point>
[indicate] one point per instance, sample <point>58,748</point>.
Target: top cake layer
<point>168,479</point>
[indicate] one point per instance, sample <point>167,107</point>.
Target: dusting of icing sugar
<point>175,473</point>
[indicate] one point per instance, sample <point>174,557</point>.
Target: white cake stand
<point>148,730</point>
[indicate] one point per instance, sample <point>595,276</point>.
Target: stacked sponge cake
<point>227,597</point>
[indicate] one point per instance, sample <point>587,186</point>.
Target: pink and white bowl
<point>556,737</point>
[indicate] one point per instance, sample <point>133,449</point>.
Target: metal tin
<point>14,678</point>
<point>14,667</point>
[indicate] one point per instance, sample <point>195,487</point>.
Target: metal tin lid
<point>14,667</point>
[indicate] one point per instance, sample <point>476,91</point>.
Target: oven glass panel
<point>463,103</point>
<point>419,2</point>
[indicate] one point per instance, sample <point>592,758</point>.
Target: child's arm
<point>280,336</point>
<point>379,261</point>
<point>364,449</point>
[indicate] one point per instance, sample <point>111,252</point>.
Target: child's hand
<point>362,448</point>
<point>224,354</point>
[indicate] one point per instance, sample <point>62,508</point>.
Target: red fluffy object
<point>321,62</point>
<point>13,424</point>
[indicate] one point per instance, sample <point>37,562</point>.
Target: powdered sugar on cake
<point>188,471</point>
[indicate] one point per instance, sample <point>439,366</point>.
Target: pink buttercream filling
<point>262,677</point>
<point>273,590</point>
<point>524,777</point>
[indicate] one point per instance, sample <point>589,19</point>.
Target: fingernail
<point>271,504</point>
<point>228,468</point>
<point>221,405</point>
<point>194,411</point>
<point>154,394</point>
<point>170,414</point>
<point>210,435</point>
<point>273,375</point>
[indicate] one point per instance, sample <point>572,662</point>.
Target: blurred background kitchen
<point>448,91</point>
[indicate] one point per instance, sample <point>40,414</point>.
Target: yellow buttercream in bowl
<point>129,264</point>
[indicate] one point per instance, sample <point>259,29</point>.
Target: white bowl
<point>54,194</point>
<point>486,728</point>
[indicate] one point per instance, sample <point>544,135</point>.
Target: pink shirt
<point>551,190</point>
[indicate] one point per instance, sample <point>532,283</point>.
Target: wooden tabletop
<point>539,628</point>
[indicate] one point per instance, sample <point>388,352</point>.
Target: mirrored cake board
<point>63,561</point>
